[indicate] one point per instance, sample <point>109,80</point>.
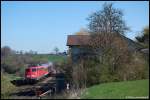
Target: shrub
<point>6,86</point>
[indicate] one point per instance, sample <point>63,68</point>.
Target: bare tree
<point>107,42</point>
<point>79,74</point>
<point>6,51</point>
<point>112,54</point>
<point>56,50</point>
<point>107,20</point>
<point>21,52</point>
<point>82,31</point>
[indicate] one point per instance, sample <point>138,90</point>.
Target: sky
<point>43,25</point>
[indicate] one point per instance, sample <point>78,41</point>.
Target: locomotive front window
<point>33,70</point>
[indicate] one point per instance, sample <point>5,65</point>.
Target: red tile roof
<point>78,40</point>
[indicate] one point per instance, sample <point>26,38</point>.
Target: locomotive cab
<point>31,73</point>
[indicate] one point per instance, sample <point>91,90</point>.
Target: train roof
<point>38,67</point>
<point>41,65</point>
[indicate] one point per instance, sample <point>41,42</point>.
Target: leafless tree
<point>107,20</point>
<point>56,50</point>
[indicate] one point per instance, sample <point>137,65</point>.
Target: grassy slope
<point>6,86</point>
<point>138,88</point>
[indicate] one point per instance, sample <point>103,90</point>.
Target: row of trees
<point>30,52</point>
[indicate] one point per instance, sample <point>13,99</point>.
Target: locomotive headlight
<point>32,75</point>
<point>28,75</point>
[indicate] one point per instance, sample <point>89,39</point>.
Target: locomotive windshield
<point>33,70</point>
<point>33,65</point>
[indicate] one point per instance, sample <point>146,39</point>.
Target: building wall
<point>78,52</point>
<point>75,53</point>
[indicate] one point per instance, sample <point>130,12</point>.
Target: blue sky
<point>41,25</point>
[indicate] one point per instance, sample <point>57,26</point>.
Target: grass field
<point>55,58</point>
<point>118,90</point>
<point>52,58</point>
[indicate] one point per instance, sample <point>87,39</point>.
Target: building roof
<point>78,40</point>
<point>82,40</point>
<point>146,50</point>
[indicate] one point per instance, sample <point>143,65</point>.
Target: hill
<point>6,86</point>
<point>118,90</point>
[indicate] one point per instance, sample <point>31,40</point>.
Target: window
<point>33,70</point>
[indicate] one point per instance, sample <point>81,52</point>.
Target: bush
<point>6,87</point>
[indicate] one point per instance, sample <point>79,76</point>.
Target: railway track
<point>46,86</point>
<point>31,90</point>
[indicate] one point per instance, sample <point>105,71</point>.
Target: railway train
<point>38,71</point>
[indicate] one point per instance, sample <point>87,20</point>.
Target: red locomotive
<point>37,72</point>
